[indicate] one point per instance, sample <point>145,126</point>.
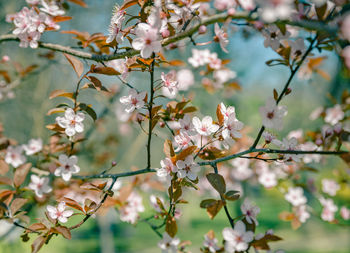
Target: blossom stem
<point>286,86</point>
<point>150,107</point>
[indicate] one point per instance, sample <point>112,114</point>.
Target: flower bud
<point>202,29</point>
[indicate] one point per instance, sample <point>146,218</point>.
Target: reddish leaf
<point>219,115</point>
<point>61,19</point>
<point>5,75</point>
<point>64,231</point>
<point>4,167</point>
<point>72,203</point>
<point>17,204</point>
<point>186,152</point>
<point>103,70</point>
<point>171,226</point>
<point>21,174</point>
<point>79,2</point>
<point>5,181</point>
<point>168,149</point>
<point>128,4</point>
<point>77,65</point>
<point>38,243</point>
<point>61,93</point>
<point>214,209</point>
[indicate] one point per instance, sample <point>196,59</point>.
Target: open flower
<point>187,168</point>
<point>68,167</point>
<point>250,211</point>
<point>115,27</point>
<point>40,185</point>
<point>133,101</point>
<point>221,37</point>
<point>147,40</point>
<point>14,156</point>
<point>59,213</point>
<point>206,126</point>
<point>170,82</point>
<point>130,211</point>
<point>72,122</point>
<point>232,126</point>
<point>167,167</point>
<point>168,244</point>
<point>211,242</point>
<point>273,37</point>
<point>237,239</point>
<point>34,146</point>
<point>295,196</point>
<point>182,141</point>
<point>272,114</point>
<point>330,186</point>
<point>334,114</point>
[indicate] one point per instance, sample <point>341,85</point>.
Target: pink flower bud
<point>337,128</point>
<point>165,33</point>
<point>5,58</point>
<point>114,163</point>
<point>318,142</point>
<point>202,29</point>
<point>231,11</point>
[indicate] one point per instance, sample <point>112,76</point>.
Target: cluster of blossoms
<point>14,154</point>
<point>221,74</point>
<point>130,212</point>
<point>31,23</point>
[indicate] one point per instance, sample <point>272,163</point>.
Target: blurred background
<point>24,117</point>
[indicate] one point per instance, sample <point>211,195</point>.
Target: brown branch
<point>222,17</point>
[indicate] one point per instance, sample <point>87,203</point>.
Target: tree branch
<point>222,17</point>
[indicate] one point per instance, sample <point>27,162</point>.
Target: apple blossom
<point>147,40</point>
<point>330,186</point>
<point>34,146</point>
<point>169,81</point>
<point>206,126</point>
<point>221,37</point>
<point>329,209</point>
<point>268,179</point>
<point>130,212</point>
<point>133,101</point>
<point>14,156</point>
<point>237,239</point>
<point>334,114</point>
<point>182,140</point>
<point>301,213</point>
<point>250,211</point>
<point>272,114</point>
<point>168,244</point>
<point>59,213</point>
<point>187,168</point>
<point>68,166</point>
<point>72,122</point>
<point>40,185</point>
<point>295,196</point>
<point>167,167</point>
<point>273,37</point>
<point>211,243</point>
<point>345,213</point>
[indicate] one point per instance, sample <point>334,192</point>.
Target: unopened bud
<point>231,11</point>
<point>165,33</point>
<point>318,142</point>
<point>288,91</point>
<point>202,29</point>
<point>114,163</point>
<point>161,124</point>
<point>337,128</point>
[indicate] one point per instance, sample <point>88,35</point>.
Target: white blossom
<point>237,239</point>
<point>14,156</point>
<point>272,114</point>
<point>68,166</point>
<point>34,146</point>
<point>59,213</point>
<point>72,122</point>
<point>250,211</point>
<point>133,101</point>
<point>295,196</point>
<point>206,126</point>
<point>40,185</point>
<point>168,244</point>
<point>187,168</point>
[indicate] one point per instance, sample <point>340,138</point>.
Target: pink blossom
<point>68,166</point>
<point>268,179</point>
<point>147,40</point>
<point>182,141</point>
<point>59,213</point>
<point>211,243</point>
<point>237,239</point>
<point>301,213</point>
<point>115,26</point>
<point>133,101</point>
<point>345,213</point>
<point>170,82</point>
<point>40,185</point>
<point>206,126</point>
<point>130,211</point>
<point>295,196</point>
<point>14,156</point>
<point>167,167</point>
<point>273,37</point>
<point>330,186</point>
<point>250,211</point>
<point>72,122</point>
<point>34,146</point>
<point>221,37</point>
<point>334,115</point>
<point>185,79</point>
<point>329,209</point>
<point>168,244</point>
<point>187,168</point>
<point>272,114</point>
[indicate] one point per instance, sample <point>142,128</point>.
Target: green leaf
<point>88,110</point>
